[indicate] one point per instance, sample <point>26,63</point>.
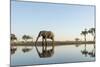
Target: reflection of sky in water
<point>62,54</point>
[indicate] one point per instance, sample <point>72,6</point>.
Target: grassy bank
<point>49,43</point>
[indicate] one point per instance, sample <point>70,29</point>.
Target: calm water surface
<point>28,55</point>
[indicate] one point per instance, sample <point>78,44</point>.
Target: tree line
<point>83,33</point>
<point>24,37</point>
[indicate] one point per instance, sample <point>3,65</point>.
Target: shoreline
<point>56,43</point>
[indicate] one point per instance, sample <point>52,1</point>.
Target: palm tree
<point>13,37</point>
<point>26,37</point>
<point>77,42</point>
<point>85,32</point>
<point>77,39</point>
<point>92,32</point>
<point>29,37</point>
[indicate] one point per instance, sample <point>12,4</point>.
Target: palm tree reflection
<point>45,53</point>
<point>13,50</point>
<point>26,49</point>
<point>77,45</point>
<point>90,53</point>
<point>84,52</point>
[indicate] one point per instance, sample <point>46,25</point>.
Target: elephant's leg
<point>52,43</point>
<point>45,43</point>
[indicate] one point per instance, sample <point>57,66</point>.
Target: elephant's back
<point>47,33</point>
<point>50,34</point>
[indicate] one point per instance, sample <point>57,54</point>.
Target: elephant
<point>45,35</point>
<point>45,53</point>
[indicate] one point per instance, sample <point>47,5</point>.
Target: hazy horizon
<point>66,21</point>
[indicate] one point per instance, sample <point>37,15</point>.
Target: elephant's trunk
<point>37,38</point>
<point>36,41</point>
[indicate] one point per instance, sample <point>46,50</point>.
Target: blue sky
<point>66,21</point>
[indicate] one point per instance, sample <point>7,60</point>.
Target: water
<point>28,55</point>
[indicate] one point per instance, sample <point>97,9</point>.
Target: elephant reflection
<point>13,49</point>
<point>26,49</point>
<point>45,52</point>
<point>45,35</point>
